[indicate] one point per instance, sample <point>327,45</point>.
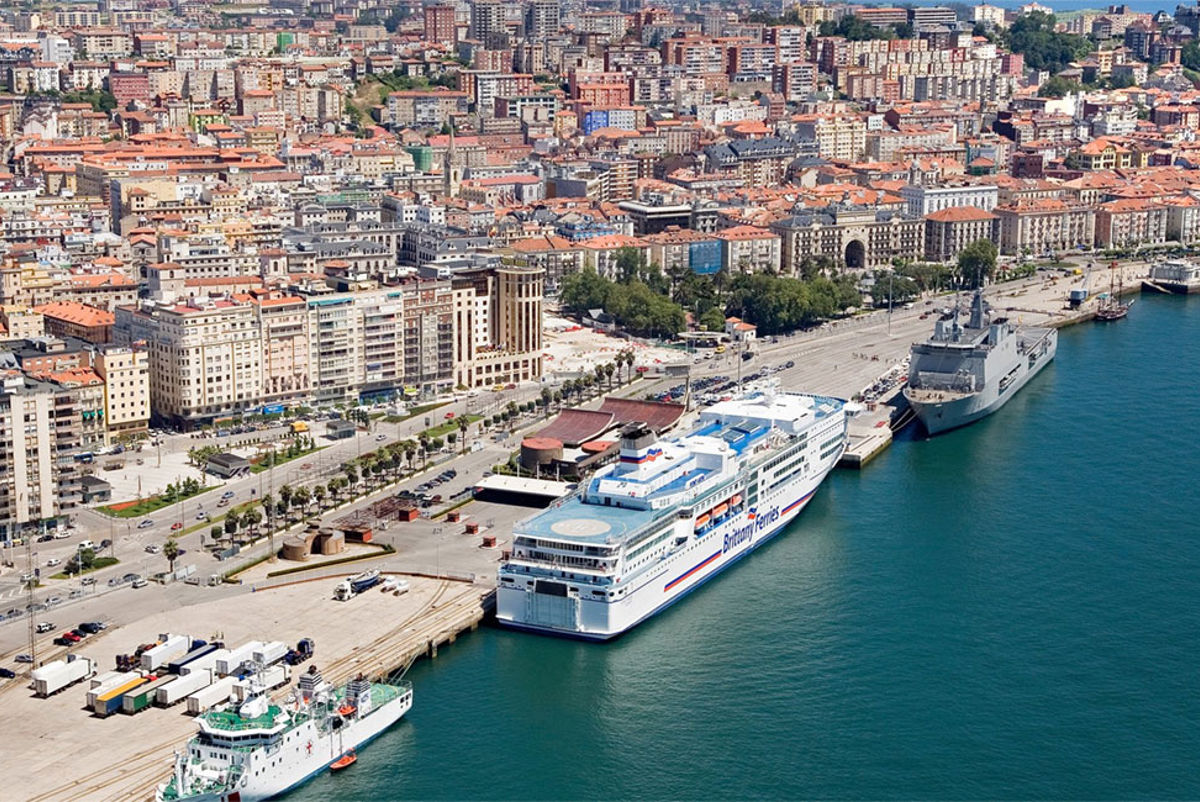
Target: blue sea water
<point>1011,610</point>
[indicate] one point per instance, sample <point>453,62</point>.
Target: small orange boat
<point>346,710</point>
<point>344,761</point>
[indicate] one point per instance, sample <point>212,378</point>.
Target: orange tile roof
<point>76,313</point>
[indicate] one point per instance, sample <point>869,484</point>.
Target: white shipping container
<point>271,652</point>
<point>206,663</point>
<point>101,679</point>
<point>118,678</point>
<point>61,674</point>
<point>214,694</point>
<point>237,656</point>
<point>182,688</point>
<point>172,646</point>
<point>270,679</point>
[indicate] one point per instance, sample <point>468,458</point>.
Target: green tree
<point>713,320</point>
<point>171,552</point>
<point>1190,55</point>
<point>1058,86</point>
<point>232,522</point>
<point>977,263</point>
<point>1034,37</point>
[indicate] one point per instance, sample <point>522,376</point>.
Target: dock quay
<point>125,757</point>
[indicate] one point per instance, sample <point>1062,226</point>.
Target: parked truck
<point>214,694</point>
<point>303,651</point>
<point>114,679</point>
<point>232,662</point>
<point>144,695</point>
<point>206,663</point>
<point>103,679</point>
<point>270,653</point>
<point>110,702</point>
<point>183,687</point>
<point>168,648</point>
<point>199,650</point>
<point>349,588</point>
<point>53,677</point>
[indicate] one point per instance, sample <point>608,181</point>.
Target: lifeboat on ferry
<point>720,510</point>
<point>702,521</point>
<point>347,710</point>
<point>736,500</point>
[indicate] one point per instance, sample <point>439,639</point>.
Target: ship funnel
<point>637,446</point>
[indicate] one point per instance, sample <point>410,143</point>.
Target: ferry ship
<point>260,749</point>
<point>669,515</point>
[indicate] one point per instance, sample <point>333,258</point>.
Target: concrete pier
<point>60,751</point>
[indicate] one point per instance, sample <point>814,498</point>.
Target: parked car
<point>91,627</point>
<point>45,538</point>
<point>129,577</point>
<point>53,600</point>
<point>7,673</point>
<point>44,626</point>
<point>104,544</point>
<point>71,636</point>
<point>61,535</point>
<point>379,438</point>
<point>79,633</point>
<point>75,593</point>
<point>88,580</point>
<point>24,658</point>
<point>140,582</point>
<point>63,641</point>
<point>145,523</point>
<point>175,527</point>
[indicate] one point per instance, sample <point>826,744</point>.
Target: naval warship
<point>964,373</point>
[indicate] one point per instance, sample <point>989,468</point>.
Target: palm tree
<point>351,476</point>
<point>333,485</point>
<point>463,425</point>
<point>599,373</point>
<point>451,437</point>
<point>318,494</point>
<point>410,451</point>
<point>252,518</point>
<point>232,522</point>
<point>300,499</point>
<point>609,369</point>
<point>285,495</point>
<point>171,552</point>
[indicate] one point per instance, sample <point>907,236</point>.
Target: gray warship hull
<point>942,411</point>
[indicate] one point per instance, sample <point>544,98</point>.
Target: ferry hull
<point>938,417</point>
<point>298,764</point>
<point>683,572</point>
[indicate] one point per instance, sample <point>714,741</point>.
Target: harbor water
<point>1010,610</point>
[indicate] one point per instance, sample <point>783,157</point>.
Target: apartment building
<point>28,468</point>
<point>949,230</point>
<point>497,325</point>
<point>859,238</point>
<point>922,200</point>
<point>1044,226</point>
<point>1131,222</point>
<point>125,371</point>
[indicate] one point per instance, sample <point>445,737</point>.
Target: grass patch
<point>97,564</point>
<point>256,468</point>
<point>443,429</point>
<point>383,549</point>
<point>414,412</point>
<point>146,506</point>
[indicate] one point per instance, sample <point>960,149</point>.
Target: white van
<point>87,544</point>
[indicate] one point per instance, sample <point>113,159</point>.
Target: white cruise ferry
<point>260,749</point>
<point>669,515</point>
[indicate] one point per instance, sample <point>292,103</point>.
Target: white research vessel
<point>964,373</point>
<point>260,749</point>
<point>669,515</point>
